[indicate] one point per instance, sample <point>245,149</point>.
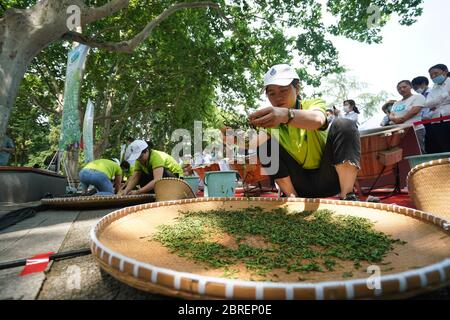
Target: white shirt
<point>402,107</point>
<point>426,113</point>
<point>352,115</point>
<point>439,98</point>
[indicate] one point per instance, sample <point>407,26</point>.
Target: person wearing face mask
<point>310,162</point>
<point>350,111</point>
<point>407,110</point>
<point>420,85</point>
<point>438,100</point>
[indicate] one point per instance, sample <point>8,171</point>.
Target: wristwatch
<point>291,115</point>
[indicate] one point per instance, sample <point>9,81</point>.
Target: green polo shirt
<point>305,146</point>
<point>127,174</point>
<point>108,167</point>
<point>159,159</point>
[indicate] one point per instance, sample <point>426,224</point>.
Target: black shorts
<point>437,137</point>
<point>343,145</point>
<point>147,177</point>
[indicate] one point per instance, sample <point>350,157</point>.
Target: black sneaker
<point>351,196</point>
<point>90,192</point>
<point>373,199</point>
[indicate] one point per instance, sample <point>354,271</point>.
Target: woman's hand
<point>133,192</point>
<point>396,120</point>
<point>269,117</point>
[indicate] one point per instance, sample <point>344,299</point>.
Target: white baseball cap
<point>280,74</point>
<point>135,149</point>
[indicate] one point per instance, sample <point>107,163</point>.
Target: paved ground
<point>76,278</point>
<point>41,233</point>
<point>81,278</point>
<point>8,207</point>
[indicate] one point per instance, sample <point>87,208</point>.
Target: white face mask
<point>420,90</point>
<point>347,109</point>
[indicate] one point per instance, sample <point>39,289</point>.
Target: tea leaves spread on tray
<point>269,240</point>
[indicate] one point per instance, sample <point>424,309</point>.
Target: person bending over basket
<point>99,174</point>
<point>151,165</point>
<point>312,162</point>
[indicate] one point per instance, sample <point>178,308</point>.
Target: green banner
<point>70,127</point>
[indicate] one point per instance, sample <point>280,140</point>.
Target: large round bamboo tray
<point>429,187</point>
<point>88,202</point>
<point>173,189</point>
<point>119,244</point>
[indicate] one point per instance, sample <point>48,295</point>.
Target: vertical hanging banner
<point>123,147</point>
<point>88,132</point>
<point>70,127</point>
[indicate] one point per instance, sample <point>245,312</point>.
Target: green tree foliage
<point>339,87</point>
<point>196,65</point>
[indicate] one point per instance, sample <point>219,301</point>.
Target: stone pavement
<point>41,233</point>
<point>81,278</point>
<point>75,278</point>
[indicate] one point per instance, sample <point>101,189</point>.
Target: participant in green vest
<point>99,173</point>
<point>311,162</point>
<point>150,166</point>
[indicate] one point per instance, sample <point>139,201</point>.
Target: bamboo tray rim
<point>96,201</point>
<point>427,164</point>
<point>99,250</point>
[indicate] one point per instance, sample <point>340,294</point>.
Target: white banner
<point>88,132</point>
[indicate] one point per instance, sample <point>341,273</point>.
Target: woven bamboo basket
<point>429,187</point>
<point>119,243</point>
<point>88,202</point>
<point>173,189</point>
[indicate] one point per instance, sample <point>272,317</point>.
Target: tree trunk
<point>72,166</point>
<point>104,142</point>
<point>23,34</point>
<point>10,78</point>
<point>26,32</point>
<point>14,61</point>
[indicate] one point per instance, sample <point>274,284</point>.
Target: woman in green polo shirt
<point>99,173</point>
<point>311,162</point>
<point>150,166</point>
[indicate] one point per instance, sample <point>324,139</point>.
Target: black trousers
<point>343,145</point>
<point>437,137</point>
<point>147,177</point>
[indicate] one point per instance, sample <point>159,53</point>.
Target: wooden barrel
<point>250,171</point>
<point>206,168</point>
<point>373,143</point>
